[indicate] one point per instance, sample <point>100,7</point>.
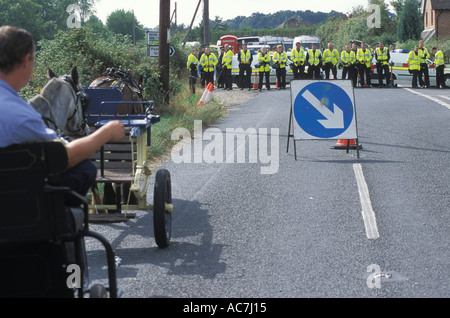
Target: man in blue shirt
<point>20,123</point>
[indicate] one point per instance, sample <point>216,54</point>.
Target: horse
<point>131,89</point>
<point>62,104</point>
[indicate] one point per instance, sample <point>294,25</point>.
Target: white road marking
<point>443,96</point>
<point>368,214</point>
<point>436,100</point>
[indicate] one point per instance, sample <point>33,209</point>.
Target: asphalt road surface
<point>325,225</point>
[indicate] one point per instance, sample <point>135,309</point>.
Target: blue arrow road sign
<point>324,110</point>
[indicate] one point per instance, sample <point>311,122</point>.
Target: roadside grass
<point>181,113</point>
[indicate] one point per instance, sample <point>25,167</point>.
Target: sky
<point>147,11</point>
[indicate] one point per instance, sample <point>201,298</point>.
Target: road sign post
<point>322,110</point>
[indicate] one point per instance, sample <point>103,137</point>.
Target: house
<point>436,19</point>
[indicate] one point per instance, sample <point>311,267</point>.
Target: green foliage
<point>121,22</point>
<point>410,21</point>
<point>42,18</point>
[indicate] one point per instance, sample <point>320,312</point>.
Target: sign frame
<point>320,110</point>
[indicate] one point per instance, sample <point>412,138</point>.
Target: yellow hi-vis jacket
<point>192,59</point>
<point>298,56</point>
<point>382,56</point>
<point>423,55</point>
<point>348,57</point>
<point>330,56</point>
<point>439,58</point>
<point>314,57</point>
<point>280,57</point>
<point>227,59</point>
<point>208,62</point>
<point>264,62</point>
<point>245,57</point>
<point>413,61</point>
<point>366,55</point>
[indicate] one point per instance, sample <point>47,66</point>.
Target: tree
<point>410,22</point>
<point>121,22</point>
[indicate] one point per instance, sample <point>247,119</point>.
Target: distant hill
<point>273,20</point>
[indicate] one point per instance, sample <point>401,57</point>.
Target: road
<point>300,231</point>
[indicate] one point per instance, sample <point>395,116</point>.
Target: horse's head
<point>63,103</point>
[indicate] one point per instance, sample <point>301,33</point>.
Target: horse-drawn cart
<point>124,170</point>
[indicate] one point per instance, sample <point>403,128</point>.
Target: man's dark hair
<point>15,44</point>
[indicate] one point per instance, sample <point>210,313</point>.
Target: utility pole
<point>207,33</point>
<point>164,43</point>
<point>192,23</point>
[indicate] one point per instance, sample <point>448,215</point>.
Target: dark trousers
<point>415,74</point>
<point>298,71</point>
<point>227,77</point>
<point>424,73</point>
<point>330,67</point>
<point>314,71</point>
<point>220,78</point>
<point>261,78</point>
<point>246,79</point>
<point>192,81</point>
<point>363,69</point>
<point>440,79</point>
<point>383,71</point>
<point>351,73</point>
<point>281,77</point>
<point>209,77</point>
<point>80,179</point>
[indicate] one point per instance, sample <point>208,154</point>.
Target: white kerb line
<point>436,100</point>
<point>368,214</point>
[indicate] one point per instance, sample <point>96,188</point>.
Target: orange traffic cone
<point>344,143</point>
<point>256,84</point>
<point>207,95</point>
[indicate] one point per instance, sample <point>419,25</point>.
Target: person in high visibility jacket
<point>280,59</point>
<point>227,61</point>
<point>208,62</point>
<point>314,61</point>
<point>382,57</point>
<point>330,58</point>
<point>348,59</point>
<point>424,56</point>
<point>264,60</point>
<point>298,61</point>
<point>364,56</point>
<point>414,65</point>
<point>245,58</point>
<point>355,65</point>
<point>192,65</point>
<point>439,66</point>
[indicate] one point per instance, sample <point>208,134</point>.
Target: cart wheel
<point>98,291</point>
<point>162,219</point>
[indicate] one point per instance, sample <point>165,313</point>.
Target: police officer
<point>227,61</point>
<point>424,55</point>
<point>219,69</point>
<point>330,58</point>
<point>414,65</point>
<point>192,65</point>
<point>280,59</point>
<point>264,68</point>
<point>298,61</point>
<point>200,67</point>
<point>208,62</point>
<point>355,65</point>
<point>439,65</point>
<point>364,56</point>
<point>348,59</point>
<point>245,58</point>
<point>382,57</point>
<point>314,60</point>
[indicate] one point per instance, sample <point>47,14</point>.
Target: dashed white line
<point>434,99</point>
<point>368,214</point>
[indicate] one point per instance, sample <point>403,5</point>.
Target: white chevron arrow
<point>334,119</point>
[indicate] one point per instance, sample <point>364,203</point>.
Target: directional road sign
<point>323,110</point>
<point>153,51</point>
